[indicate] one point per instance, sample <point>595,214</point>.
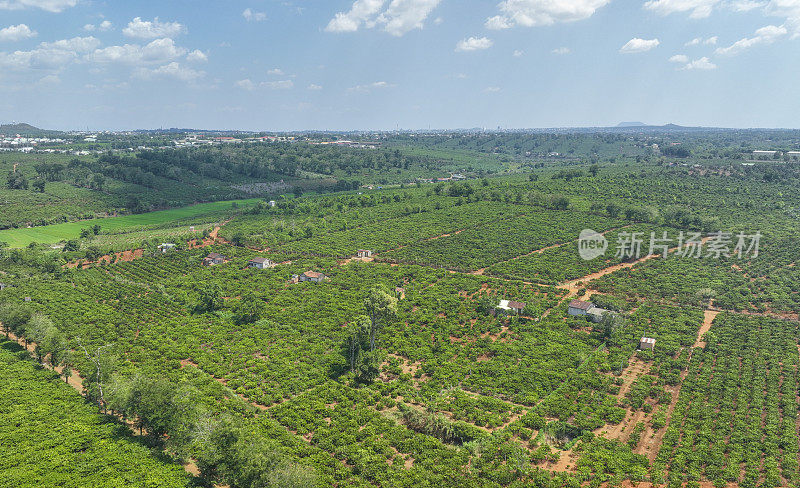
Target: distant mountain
<point>631,124</point>
<point>23,129</point>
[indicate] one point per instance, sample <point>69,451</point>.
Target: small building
<point>27,299</point>
<point>260,263</point>
<point>647,343</point>
<point>511,306</point>
<point>595,314</point>
<point>166,247</point>
<point>213,258</point>
<point>516,307</point>
<point>579,307</point>
<point>272,203</point>
<point>312,276</point>
<point>191,228</point>
<point>364,253</point>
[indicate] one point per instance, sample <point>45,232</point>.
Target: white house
<point>511,306</point>
<point>213,258</point>
<point>312,276</point>
<point>364,253</point>
<point>579,307</point>
<point>647,343</point>
<point>166,247</point>
<point>272,203</point>
<point>260,263</point>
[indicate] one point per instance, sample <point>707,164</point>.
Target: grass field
<point>51,234</point>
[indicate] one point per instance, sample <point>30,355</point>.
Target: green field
<point>51,234</point>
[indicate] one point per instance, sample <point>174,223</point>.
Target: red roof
<point>580,304</point>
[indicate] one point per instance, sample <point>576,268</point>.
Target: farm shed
<point>579,307</point>
<point>595,314</point>
<point>166,247</point>
<point>312,276</point>
<point>364,253</point>
<point>260,263</point>
<point>213,258</point>
<point>511,306</point>
<point>647,343</point>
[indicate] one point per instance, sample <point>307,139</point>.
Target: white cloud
<point>519,53</point>
<point>744,5</point>
<point>47,5</point>
<point>197,56</point>
<point>491,89</point>
<point>637,45</point>
<point>699,40</point>
<point>359,13</point>
<point>699,9</point>
<point>104,26</point>
<point>248,84</point>
<point>702,64</point>
<point>16,33</point>
<point>314,87</point>
<point>790,9</point>
<point>76,44</point>
<point>473,44</point>
<point>398,18</point>
<point>171,70</point>
<point>245,84</point>
<point>157,52</point>
<point>146,29</point>
<point>531,13</point>
<point>764,35</point>
<point>278,85</point>
<point>371,86</point>
<point>679,58</point>
<point>276,72</point>
<point>49,55</point>
<point>49,80</point>
<point>405,15</point>
<point>561,51</point>
<point>251,15</point>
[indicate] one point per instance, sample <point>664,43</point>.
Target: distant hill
<point>23,129</point>
<point>631,124</point>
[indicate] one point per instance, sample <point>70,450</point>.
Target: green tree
<point>381,307</point>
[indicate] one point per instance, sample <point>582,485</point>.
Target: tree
<point>381,307</point>
<point>249,309</point>
<point>104,364</point>
<point>593,169</point>
<point>38,185</point>
<point>357,331</point>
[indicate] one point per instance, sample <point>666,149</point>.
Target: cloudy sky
<point>382,64</point>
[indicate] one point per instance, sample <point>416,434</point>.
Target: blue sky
<point>412,64</point>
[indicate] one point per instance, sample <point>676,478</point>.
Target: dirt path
<point>708,319</point>
<point>651,441</point>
